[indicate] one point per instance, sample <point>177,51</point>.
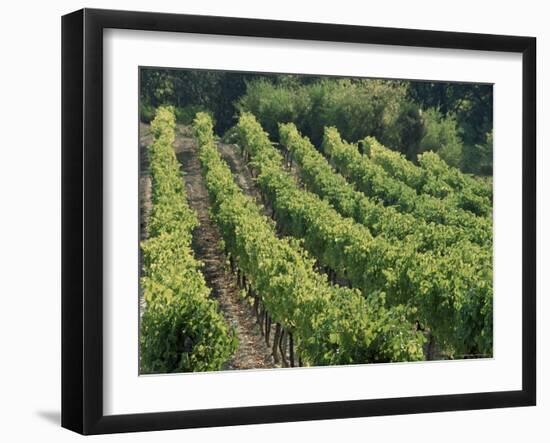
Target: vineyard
<point>331,253</point>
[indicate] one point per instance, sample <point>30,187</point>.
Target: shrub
<point>146,112</point>
<point>441,135</point>
<point>186,114</point>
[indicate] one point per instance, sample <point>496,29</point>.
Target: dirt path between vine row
<point>252,352</point>
<point>145,139</point>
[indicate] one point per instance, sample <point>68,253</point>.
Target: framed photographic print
<point>269,221</point>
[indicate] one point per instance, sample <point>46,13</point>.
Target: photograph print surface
<point>294,220</point>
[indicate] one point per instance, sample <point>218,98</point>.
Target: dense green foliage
<point>471,106</point>
<point>452,297</point>
<point>330,324</point>
<point>452,119</point>
<point>190,91</point>
<point>449,178</point>
<point>441,135</point>
<point>318,176</point>
<point>373,180</point>
<point>181,328</point>
<point>436,178</point>
<point>357,107</point>
<point>366,107</point>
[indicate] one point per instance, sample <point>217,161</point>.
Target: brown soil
<point>240,171</point>
<point>252,352</point>
<point>145,139</point>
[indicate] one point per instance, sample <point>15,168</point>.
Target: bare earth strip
<point>145,139</point>
<point>252,352</point>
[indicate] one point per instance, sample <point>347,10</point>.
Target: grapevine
<point>182,329</point>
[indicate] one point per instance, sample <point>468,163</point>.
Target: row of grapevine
<point>371,179</point>
<point>318,176</point>
<point>329,324</point>
<point>181,328</point>
<point>443,182</point>
<point>452,297</point>
<point>435,166</point>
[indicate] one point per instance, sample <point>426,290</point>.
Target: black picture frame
<point>82,215</point>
